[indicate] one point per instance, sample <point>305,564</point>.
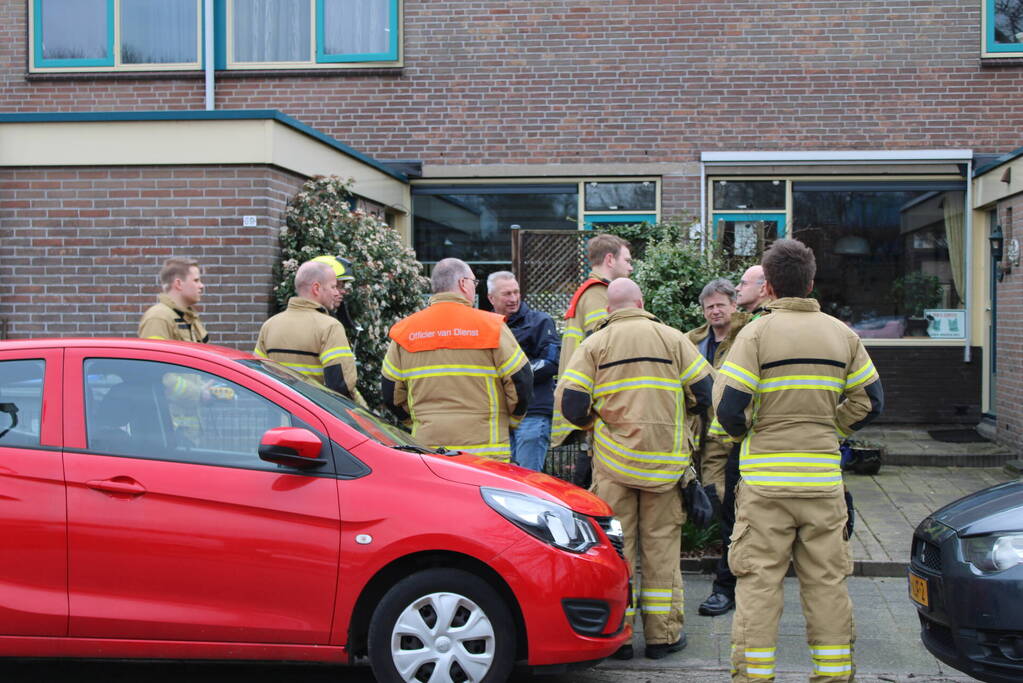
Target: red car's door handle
<point>117,485</point>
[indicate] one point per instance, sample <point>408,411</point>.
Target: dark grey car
<point>966,578</point>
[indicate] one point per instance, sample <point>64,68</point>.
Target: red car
<point>172,500</point>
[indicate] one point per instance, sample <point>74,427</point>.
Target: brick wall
<point>524,81</point>
<point>1009,378</point>
<point>929,384</point>
<point>82,247</point>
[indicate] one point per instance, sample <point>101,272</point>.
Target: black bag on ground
<point>699,508</point>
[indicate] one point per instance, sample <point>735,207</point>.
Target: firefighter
<point>173,317</point>
<point>793,382</point>
<point>455,373</point>
<point>609,258</point>
<point>306,337</point>
<point>632,383</point>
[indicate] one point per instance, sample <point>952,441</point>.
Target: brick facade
<point>929,384</point>
<point>1009,351</point>
<point>82,247</point>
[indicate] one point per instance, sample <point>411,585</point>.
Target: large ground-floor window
<point>890,254</point>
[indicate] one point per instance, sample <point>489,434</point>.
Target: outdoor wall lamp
<point>996,239</point>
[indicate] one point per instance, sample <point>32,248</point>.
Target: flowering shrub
<point>673,271</point>
<point>389,283</point>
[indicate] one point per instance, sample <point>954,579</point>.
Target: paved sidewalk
<point>888,644</point>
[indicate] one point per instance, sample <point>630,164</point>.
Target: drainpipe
<point>968,227</point>
<point>208,51</point>
<point>704,229</point>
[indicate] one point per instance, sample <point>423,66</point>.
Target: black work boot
<point>624,652</point>
<point>716,605</point>
<point>662,650</point>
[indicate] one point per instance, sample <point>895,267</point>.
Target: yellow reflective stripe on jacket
<point>780,469</point>
<point>495,451</point>
<point>630,463</point>
<point>594,317</point>
<point>860,376</point>
<point>740,375</point>
<point>391,371</point>
<point>579,378</point>
<point>448,370</point>
<point>336,352</point>
<point>694,368</point>
<point>573,331</point>
<point>664,383</point>
<point>718,432</point>
<point>784,382</point>
<point>257,351</point>
<point>505,368</point>
<point>156,336</point>
<point>304,368</point>
<point>494,413</point>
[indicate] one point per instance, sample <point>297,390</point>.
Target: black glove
<point>699,509</point>
<point>849,523</point>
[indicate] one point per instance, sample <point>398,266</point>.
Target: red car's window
<point>337,405</point>
<point>168,412</point>
<point>21,402</point>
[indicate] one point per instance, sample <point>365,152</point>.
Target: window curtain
<point>955,235</point>
<point>159,31</point>
<point>271,30</point>
<point>354,27</point>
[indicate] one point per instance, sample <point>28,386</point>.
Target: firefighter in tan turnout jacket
<point>455,372</point>
<point>632,382</point>
<point>794,383</point>
<point>173,317</point>
<point>305,337</point>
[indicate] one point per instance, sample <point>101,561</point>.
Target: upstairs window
<point>116,34</point>
<point>155,35</point>
<point>1002,28</point>
<point>302,33</point>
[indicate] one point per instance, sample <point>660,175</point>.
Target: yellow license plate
<point>918,590</point>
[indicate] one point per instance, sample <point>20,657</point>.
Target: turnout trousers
<point>652,527</point>
<point>768,533</point>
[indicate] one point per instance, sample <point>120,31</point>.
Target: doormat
<point>957,436</point>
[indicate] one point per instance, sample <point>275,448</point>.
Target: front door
<point>177,530</point>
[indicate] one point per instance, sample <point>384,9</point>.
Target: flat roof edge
<point>202,115</point>
<point>1000,161</point>
<point>838,156</point>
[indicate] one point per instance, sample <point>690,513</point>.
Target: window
<point>21,402</point>
<point>290,33</point>
<point>150,35</point>
<point>890,254</point>
<point>117,34</point>
<point>146,409</point>
<point>1002,28</point>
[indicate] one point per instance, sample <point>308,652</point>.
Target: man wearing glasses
<point>455,373</point>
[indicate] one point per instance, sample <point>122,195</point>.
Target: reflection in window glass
<point>639,196</point>
<point>745,238</point>
<point>352,27</point>
<point>474,224</point>
<point>884,257</point>
<point>159,31</point>
<point>161,411</point>
<point>736,195</point>
<point>1009,22</point>
<point>74,29</point>
<point>21,402</point>
<point>271,30</point>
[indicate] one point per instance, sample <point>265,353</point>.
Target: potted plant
<point>915,292</point>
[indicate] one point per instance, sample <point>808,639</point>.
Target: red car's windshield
<point>334,403</point>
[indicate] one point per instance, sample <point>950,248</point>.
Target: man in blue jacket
<point>538,337</point>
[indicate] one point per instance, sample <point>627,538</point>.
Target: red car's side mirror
<point>292,447</point>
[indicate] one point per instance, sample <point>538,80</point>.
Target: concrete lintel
<point>595,170</point>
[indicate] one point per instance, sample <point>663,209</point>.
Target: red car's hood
<point>477,471</point>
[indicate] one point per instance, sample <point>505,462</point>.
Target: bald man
<point>751,292</point>
<point>632,382</point>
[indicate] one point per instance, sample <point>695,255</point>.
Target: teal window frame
<point>391,55</point>
<point>780,216</point>
<point>39,62</point>
<point>592,219</point>
<point>37,33</point>
<point>990,45</point>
